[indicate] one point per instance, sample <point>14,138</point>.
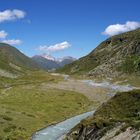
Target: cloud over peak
<point>9,15</point>
<point>54,48</point>
<point>121,28</point>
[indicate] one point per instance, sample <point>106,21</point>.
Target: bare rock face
<point>113,134</point>
<point>129,134</point>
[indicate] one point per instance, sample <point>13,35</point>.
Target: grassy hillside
<point>13,61</point>
<point>115,56</point>
<point>123,108</point>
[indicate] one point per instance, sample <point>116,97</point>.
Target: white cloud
<point>12,41</point>
<point>121,28</point>
<point>54,48</point>
<point>9,15</point>
<point>3,34</point>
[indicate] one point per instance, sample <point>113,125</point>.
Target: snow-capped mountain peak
<point>47,61</point>
<point>48,56</point>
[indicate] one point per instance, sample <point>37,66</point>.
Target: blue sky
<point>75,26</point>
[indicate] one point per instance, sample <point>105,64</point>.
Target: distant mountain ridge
<point>45,63</point>
<point>115,56</point>
<point>48,62</point>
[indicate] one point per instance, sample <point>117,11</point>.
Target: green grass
<point>30,78</point>
<point>131,64</point>
<point>123,107</point>
<point>26,107</point>
<point>9,54</point>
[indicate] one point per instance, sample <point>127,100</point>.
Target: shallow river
<point>56,132</point>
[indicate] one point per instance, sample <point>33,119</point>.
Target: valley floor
<point>39,99</point>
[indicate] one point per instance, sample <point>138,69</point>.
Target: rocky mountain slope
<point>13,62</point>
<point>118,119</point>
<point>115,56</point>
<point>49,63</point>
